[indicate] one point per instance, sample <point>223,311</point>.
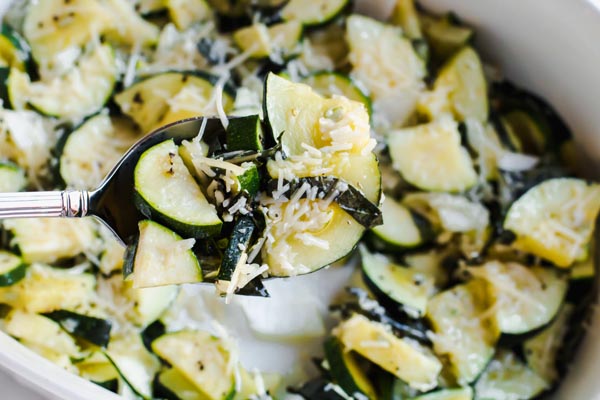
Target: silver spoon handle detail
<point>67,203</point>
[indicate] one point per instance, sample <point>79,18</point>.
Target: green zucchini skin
<point>94,330</point>
<point>239,240</point>
<point>152,332</point>
<point>318,389</point>
<point>111,385</point>
<point>351,200</point>
<point>340,372</point>
<point>13,270</point>
<point>245,133</point>
<point>343,82</point>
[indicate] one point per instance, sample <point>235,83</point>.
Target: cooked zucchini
<point>150,303</point>
<point>445,35</point>
<point>128,27</point>
<point>402,228</point>
<point>311,123</point>
<point>462,330</point>
<point>239,244</point>
<point>184,13</point>
<point>404,287</point>
<point>41,331</point>
<point>48,240</point>
<point>555,219</point>
<point>406,16</point>
<point>92,329</point>
<point>318,13</point>
<point>541,351</point>
<point>464,393</point>
<point>14,50</point>
<point>99,370</point>
<point>12,177</point>
<point>526,298</point>
<point>509,377</point>
<point>460,89</point>
<point>178,385</point>
<point>585,269</point>
<point>53,26</point>
<point>148,7</point>
<point>81,91</point>
<point>165,190</point>
<point>278,42</point>
<point>431,157</point>
<point>244,133</point>
<point>401,357</point>
<point>89,152</point>
<point>169,97</point>
<point>346,371</point>
<point>202,358</point>
<point>331,84</point>
<point>163,258</point>
<point>12,268</point>
<point>387,65</point>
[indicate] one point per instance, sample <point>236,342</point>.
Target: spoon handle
<point>66,203</point>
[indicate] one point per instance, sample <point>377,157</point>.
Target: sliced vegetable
<point>460,89</point>
<point>48,240</point>
<point>14,50</point>
<point>127,26</point>
<point>239,244</point>
<point>508,375</point>
<point>431,157</point>
<point>462,330</point>
<point>244,133</point>
<point>585,269</point>
<point>445,35</point>
<point>386,64</point>
<point>404,287</point>
<point>541,351</point>
<point>319,13</point>
<point>12,268</point>
<point>464,393</point>
<point>163,258</point>
<point>99,370</point>
<point>188,95</point>
<point>165,190</point>
<point>406,16</point>
<point>94,330</point>
<point>184,13</point>
<point>328,84</point>
<point>150,303</point>
<point>402,228</point>
<point>401,357</point>
<point>346,371</point>
<point>526,298</point>
<point>555,219</point>
<point>12,177</point>
<point>278,42</point>
<point>81,91</point>
<point>202,358</point>
<point>178,385</point>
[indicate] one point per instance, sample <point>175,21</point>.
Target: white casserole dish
<point>548,46</point>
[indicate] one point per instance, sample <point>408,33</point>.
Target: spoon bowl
<point>112,202</point>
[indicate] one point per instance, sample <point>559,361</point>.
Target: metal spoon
<point>112,201</point>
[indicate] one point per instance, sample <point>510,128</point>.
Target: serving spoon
<point>112,201</point>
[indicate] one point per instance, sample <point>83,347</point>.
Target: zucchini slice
<point>202,358</point>
<point>184,13</point>
<point>12,268</point>
<point>166,191</point>
<point>81,91</point>
<point>12,177</point>
<point>245,133</point>
<point>463,393</point>
<point>169,97</point>
<point>53,26</point>
<point>508,375</point>
<point>462,330</point>
<point>403,358</point>
<point>41,331</point>
<point>48,240</point>
<point>584,270</point>
<point>239,244</point>
<point>89,152</point>
<point>430,156</point>
<point>541,351</point>
<point>128,27</point>
<point>149,303</point>
<point>526,298</point>
<point>307,121</point>
<point>445,35</point>
<point>92,329</point>
<point>460,89</point>
<point>386,64</point>
<point>404,287</point>
<point>163,258</point>
<point>148,7</point>
<point>330,84</point>
<point>555,219</point>
<point>99,370</point>
<point>318,13</point>
<point>345,370</point>
<point>178,385</point>
<point>406,16</point>
<point>402,228</point>
<point>14,50</point>
<point>48,289</point>
<point>278,42</point>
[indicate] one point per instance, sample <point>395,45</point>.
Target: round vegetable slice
<point>12,268</point>
<point>555,219</point>
<point>318,13</point>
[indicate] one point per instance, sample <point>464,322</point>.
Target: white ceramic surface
<point>549,46</point>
